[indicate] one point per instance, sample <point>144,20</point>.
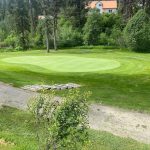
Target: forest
<point>53,24</point>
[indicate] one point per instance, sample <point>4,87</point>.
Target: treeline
<point>54,24</point>
<point>21,26</point>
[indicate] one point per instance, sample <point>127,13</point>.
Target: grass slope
<point>18,127</point>
<point>126,86</point>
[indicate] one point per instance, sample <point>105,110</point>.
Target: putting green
<point>66,63</point>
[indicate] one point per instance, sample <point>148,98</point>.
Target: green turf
<point>125,83</point>
<point>18,127</point>
<point>66,63</point>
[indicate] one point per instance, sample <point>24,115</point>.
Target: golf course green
<point>66,63</point>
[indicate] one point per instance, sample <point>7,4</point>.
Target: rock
<point>36,88</point>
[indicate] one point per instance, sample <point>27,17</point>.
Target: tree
<point>51,10</point>
<point>67,35</point>
<point>75,12</point>
<point>32,16</point>
<point>137,32</point>
<point>129,7</point>
<point>2,9</point>
<point>98,27</point>
<point>19,11</point>
<point>147,5</point>
<point>92,29</point>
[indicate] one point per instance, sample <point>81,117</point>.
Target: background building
<point>109,6</point>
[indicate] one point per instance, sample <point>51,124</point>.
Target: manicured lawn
<point>18,127</point>
<point>65,63</point>
<point>115,77</point>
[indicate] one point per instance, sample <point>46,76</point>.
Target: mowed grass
<point>63,64</point>
<point>18,127</point>
<point>115,77</point>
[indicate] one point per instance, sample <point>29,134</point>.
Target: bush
<point>137,32</point>
<point>61,124</point>
<point>11,40</point>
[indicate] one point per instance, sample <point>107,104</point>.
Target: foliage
<point>103,39</point>
<point>98,28</point>
<point>116,37</point>
<point>11,40</point>
<point>137,32</point>
<point>65,120</point>
<point>74,11</point>
<point>39,36</point>
<point>64,23</point>
<point>19,12</point>
<point>68,36</point>
<point>130,8</point>
<point>67,23</point>
<point>92,29</point>
<point>5,28</point>
<point>109,21</point>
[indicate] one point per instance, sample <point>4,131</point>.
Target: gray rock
<point>36,88</point>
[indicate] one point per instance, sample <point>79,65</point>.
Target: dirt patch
<point>120,122</point>
<point>14,97</point>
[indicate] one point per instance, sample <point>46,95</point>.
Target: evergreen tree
<point>18,9</point>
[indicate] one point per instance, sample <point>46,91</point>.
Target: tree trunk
<point>32,18</point>
<point>46,33</point>
<point>54,34</point>
<point>143,4</point>
<point>47,41</point>
<point>148,6</point>
<point>55,3</point>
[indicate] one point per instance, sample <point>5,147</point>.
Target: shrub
<point>137,32</point>
<point>11,40</point>
<point>61,124</point>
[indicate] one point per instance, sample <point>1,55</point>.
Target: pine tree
<point>18,9</point>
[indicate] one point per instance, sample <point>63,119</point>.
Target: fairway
<point>66,63</point>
